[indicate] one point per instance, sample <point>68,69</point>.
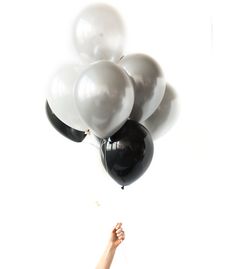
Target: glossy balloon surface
<point>149,84</point>
<point>128,153</point>
<point>104,96</point>
<point>67,131</point>
<point>60,96</point>
<point>99,34</point>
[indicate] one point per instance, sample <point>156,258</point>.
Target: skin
<point>116,238</point>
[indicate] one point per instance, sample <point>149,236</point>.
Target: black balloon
<point>67,131</point>
<point>127,154</point>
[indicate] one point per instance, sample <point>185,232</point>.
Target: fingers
<point>118,225</point>
<point>119,232</point>
<point>121,236</point>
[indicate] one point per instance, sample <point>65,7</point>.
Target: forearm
<point>107,257</point>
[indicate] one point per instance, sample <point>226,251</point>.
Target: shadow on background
<point>165,116</point>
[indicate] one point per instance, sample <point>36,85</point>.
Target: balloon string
<point>94,145</point>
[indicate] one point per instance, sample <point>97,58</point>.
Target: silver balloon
<point>104,95</point>
<point>165,116</point>
<point>99,34</point>
<point>60,96</point>
<point>149,84</point>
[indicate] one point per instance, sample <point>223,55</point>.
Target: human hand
<point>117,235</point>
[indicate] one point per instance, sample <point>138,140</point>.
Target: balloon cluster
<point>108,94</point>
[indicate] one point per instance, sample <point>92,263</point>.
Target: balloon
<point>127,154</point>
<point>165,116</point>
<point>149,84</point>
<point>60,96</point>
<point>70,133</point>
<point>99,34</point>
<point>104,96</point>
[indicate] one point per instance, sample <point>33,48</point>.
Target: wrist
<point>112,246</point>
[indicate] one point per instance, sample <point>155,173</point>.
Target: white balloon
<point>99,34</point>
<point>149,84</point>
<point>60,96</point>
<point>104,96</point>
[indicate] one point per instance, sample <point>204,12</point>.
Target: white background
<point>58,205</point>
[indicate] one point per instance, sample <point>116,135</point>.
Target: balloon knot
<point>122,187</point>
<point>87,132</point>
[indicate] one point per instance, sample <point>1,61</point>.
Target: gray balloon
<point>104,96</point>
<point>149,84</point>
